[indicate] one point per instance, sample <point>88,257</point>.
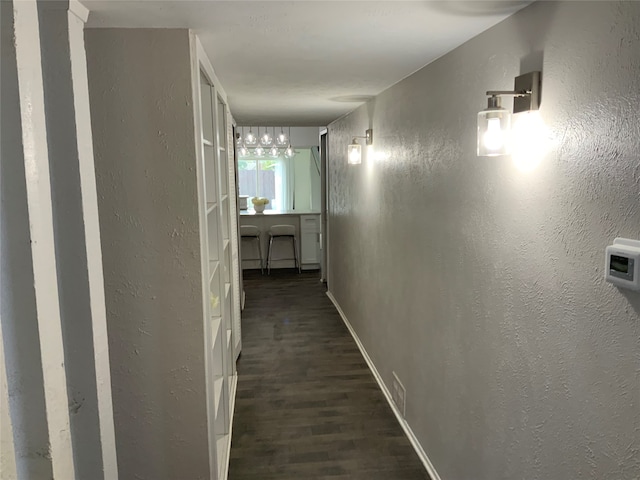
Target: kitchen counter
<point>307,228</point>
<point>278,212</point>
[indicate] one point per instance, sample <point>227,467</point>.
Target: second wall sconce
<point>494,123</point>
<point>354,150</point>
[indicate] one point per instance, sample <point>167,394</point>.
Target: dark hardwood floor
<point>307,406</point>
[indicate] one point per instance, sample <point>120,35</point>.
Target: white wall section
<point>481,284</point>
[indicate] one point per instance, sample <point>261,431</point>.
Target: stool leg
<point>295,254</point>
<point>260,254</point>
<point>269,255</point>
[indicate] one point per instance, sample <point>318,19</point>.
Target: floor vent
<point>399,394</point>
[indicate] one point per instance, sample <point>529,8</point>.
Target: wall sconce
<point>494,123</point>
<point>354,150</point>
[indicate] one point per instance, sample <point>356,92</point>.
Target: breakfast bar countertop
<point>279,212</point>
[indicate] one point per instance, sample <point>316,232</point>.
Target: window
<point>264,177</point>
<point>289,184</point>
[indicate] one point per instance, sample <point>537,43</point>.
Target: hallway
<point>307,406</point>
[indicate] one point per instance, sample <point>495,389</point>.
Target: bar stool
<point>283,232</point>
<point>252,233</point>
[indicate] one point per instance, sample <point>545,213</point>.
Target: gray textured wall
<point>142,118</point>
<point>482,285</point>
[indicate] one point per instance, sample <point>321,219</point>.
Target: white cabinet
<point>220,267</point>
<point>310,241</point>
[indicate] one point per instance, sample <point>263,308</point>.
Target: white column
<point>38,193</point>
<point>18,315</point>
<point>77,18</point>
<point>77,238</point>
<point>78,15</point>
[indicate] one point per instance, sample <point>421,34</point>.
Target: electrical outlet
<point>398,394</point>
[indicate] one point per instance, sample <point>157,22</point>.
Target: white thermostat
<point>622,263</point>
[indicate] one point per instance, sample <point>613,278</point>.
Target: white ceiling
<point>310,62</point>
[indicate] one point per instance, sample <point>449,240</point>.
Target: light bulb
<point>259,152</point>
<point>494,127</point>
<point>244,151</point>
<point>493,138</point>
<point>274,151</point>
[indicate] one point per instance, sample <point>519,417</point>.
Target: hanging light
<point>243,151</point>
<point>250,140</point>
<point>282,140</point>
<point>266,140</point>
<point>274,151</point>
<point>259,151</point>
<point>289,152</point>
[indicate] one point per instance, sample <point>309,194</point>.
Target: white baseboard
<point>403,423</point>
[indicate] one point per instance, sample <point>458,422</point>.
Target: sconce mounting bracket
<point>526,93</point>
<point>529,82</point>
<point>369,136</point>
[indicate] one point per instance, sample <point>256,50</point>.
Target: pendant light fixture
<point>243,151</point>
<point>289,152</point>
<point>251,140</point>
<point>266,140</point>
<point>282,140</point>
<point>265,144</point>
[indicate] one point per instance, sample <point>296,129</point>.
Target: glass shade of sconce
<point>494,125</point>
<point>250,139</point>
<point>281,139</point>
<point>354,150</point>
<point>354,153</point>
